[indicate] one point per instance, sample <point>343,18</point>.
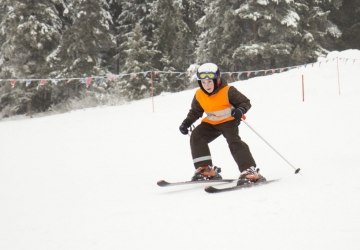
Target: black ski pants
<point>205,133</point>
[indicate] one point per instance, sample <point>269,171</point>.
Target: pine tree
<point>264,33</point>
<point>346,15</point>
<point>176,31</point>
<point>3,10</point>
<point>132,14</point>
<point>31,31</point>
<point>211,45</point>
<point>86,43</point>
<point>318,32</point>
<point>115,10</point>
<point>137,60</point>
<point>270,32</point>
<point>175,38</point>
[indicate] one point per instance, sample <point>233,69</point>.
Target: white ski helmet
<point>209,71</point>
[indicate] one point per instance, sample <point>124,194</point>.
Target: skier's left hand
<point>237,114</point>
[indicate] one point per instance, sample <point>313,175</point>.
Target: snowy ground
<point>87,179</point>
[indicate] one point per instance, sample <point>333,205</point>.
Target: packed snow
<point>87,179</point>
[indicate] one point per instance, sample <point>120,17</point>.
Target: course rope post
<point>152,90</point>
<point>338,74</point>
<point>303,88</point>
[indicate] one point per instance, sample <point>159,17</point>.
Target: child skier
<point>224,106</point>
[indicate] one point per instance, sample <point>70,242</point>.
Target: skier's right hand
<point>184,127</point>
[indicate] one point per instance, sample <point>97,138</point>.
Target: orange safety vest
<point>217,107</point>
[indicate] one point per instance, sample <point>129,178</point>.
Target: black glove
<point>184,127</point>
<point>237,114</point>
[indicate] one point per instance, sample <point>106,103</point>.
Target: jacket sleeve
<point>238,100</point>
<point>195,112</point>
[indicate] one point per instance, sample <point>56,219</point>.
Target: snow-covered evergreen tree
<point>176,31</point>
<point>270,30</point>
<point>212,45</point>
<point>138,59</point>
<point>346,15</point>
<point>263,33</point>
<point>2,35</point>
<point>132,13</point>
<point>31,30</point>
<point>317,31</point>
<point>115,10</point>
<point>175,37</point>
<point>85,44</point>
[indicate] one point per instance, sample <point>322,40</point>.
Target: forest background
<point>59,55</point>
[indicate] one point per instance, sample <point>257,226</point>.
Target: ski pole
<point>192,127</point>
<point>297,170</point>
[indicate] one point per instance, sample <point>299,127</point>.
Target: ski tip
<point>297,171</point>
<point>211,189</point>
<point>162,183</point>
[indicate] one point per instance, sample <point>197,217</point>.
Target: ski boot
<point>250,175</point>
<point>207,173</point>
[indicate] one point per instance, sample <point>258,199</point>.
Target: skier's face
<point>208,85</point>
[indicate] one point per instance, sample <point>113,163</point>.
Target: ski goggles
<point>207,75</point>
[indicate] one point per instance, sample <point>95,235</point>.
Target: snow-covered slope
<point>87,179</point>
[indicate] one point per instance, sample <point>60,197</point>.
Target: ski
<point>212,189</point>
<point>163,183</point>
